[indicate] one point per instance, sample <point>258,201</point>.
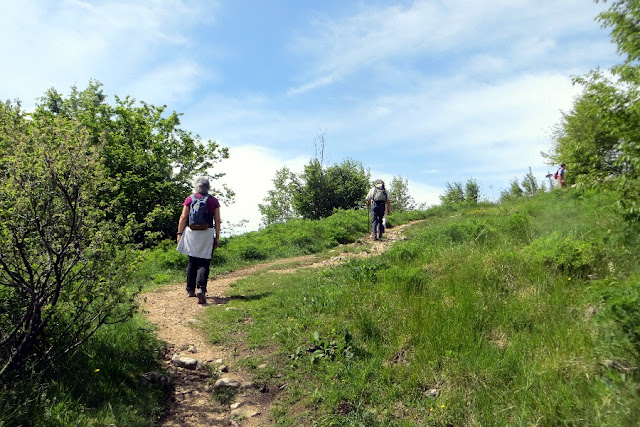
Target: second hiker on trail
<point>198,235</point>
<point>379,201</point>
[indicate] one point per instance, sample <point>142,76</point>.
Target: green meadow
<point>519,313</point>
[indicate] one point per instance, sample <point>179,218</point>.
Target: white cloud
<point>249,172</point>
<point>168,84</point>
<point>59,44</point>
<point>337,48</point>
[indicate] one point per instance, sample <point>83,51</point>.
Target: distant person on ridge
<point>559,176</point>
<point>379,201</point>
<point>198,236</point>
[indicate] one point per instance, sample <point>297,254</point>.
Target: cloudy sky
<point>434,91</point>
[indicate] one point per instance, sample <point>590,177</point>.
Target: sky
<point>432,91</point>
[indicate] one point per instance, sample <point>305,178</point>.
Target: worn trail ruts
<point>192,404</point>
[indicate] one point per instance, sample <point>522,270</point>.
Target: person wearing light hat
<point>379,201</point>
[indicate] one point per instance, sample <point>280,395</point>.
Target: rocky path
<point>192,361</point>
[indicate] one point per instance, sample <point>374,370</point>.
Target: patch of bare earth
<point>239,401</point>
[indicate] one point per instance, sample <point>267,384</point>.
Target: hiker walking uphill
<point>198,234</point>
<point>379,201</point>
<point>559,176</point>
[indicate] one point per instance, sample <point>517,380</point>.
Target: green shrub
<point>624,303</point>
<point>568,255</point>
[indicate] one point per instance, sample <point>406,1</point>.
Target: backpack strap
<point>205,198</point>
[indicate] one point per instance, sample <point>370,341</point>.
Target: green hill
<point>513,314</point>
<point>520,313</point>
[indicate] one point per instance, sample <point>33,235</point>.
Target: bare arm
<point>216,220</point>
<point>184,220</point>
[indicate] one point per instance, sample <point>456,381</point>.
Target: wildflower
<point>97,370</point>
<point>443,406</point>
<point>569,278</point>
<point>430,409</point>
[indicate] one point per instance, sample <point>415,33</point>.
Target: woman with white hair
<point>198,234</point>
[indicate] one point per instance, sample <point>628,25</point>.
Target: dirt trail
<point>192,404</point>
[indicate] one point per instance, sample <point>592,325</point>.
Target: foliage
<point>530,185</point>
<point>607,116</point>
<point>471,191</point>
<point>62,275</point>
<point>624,303</point>
<point>148,157</point>
<point>320,191</point>
<point>581,141</point>
<point>277,206</point>
<point>105,382</point>
<point>450,325</point>
<point>401,200</point>
<point>571,256</point>
<point>349,182</point>
<point>514,191</point>
<point>456,194</point>
<point>453,194</point>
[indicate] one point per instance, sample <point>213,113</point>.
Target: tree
<point>311,198</point>
<point>471,191</point>
<point>401,201</point>
<point>277,206</point>
<point>453,194</point>
<point>150,159</point>
<point>319,192</point>
<point>62,275</point>
<point>612,146</point>
<point>349,182</point>
<point>530,184</point>
<point>582,141</point>
<point>513,192</point>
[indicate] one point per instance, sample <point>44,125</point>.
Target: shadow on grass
<point>225,300</point>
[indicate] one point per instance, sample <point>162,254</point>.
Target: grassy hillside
<point>525,313</point>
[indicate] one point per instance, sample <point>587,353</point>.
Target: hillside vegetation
<point>524,312</point>
<point>520,313</point>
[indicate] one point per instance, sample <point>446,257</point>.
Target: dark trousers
<point>197,273</point>
<point>377,212</point>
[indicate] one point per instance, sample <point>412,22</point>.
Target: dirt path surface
<point>192,403</point>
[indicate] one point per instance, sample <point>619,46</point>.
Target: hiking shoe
<point>373,237</point>
<point>201,296</point>
<point>191,293</point>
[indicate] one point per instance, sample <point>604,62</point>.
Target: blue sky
<point>433,91</point>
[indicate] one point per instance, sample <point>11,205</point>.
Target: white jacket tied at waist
<point>197,243</point>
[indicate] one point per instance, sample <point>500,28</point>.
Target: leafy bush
<point>63,273</point>
<point>568,255</point>
<point>624,303</point>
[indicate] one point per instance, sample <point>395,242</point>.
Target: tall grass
<point>163,264</point>
<point>514,314</point>
<point>523,313</point>
<point>98,386</point>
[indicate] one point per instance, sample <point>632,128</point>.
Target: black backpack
<point>198,213</point>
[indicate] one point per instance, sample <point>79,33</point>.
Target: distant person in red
<point>560,176</point>
<point>198,236</point>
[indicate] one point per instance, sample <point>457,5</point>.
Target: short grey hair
<point>201,185</point>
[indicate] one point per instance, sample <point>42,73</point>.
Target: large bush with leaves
<point>599,139</point>
<point>148,157</point>
<point>62,275</point>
